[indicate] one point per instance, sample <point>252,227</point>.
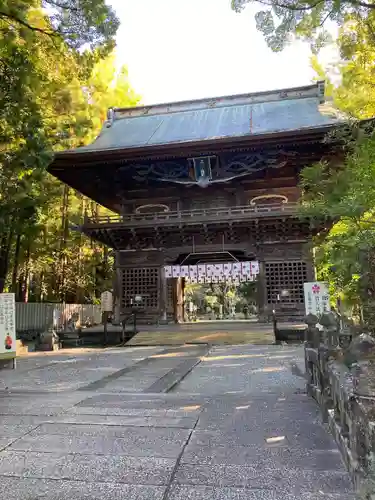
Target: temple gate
<point>193,182</point>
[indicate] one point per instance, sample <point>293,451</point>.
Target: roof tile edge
<point>308,91</point>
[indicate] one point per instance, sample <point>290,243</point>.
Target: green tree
<point>281,20</point>
<point>345,194</point>
<point>54,87</point>
<point>81,24</point>
<point>61,263</point>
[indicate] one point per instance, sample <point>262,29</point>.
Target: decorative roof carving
<point>213,170</point>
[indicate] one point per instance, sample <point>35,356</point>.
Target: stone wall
<point>340,370</point>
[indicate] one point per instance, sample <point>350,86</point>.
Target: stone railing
<point>340,371</point>
<point>196,215</point>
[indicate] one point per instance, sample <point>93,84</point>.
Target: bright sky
<point>186,49</point>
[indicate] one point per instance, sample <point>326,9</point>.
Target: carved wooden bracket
<point>152,208</point>
<point>262,197</point>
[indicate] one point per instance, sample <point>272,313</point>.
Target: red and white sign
<point>7,325</point>
<point>316,298</point>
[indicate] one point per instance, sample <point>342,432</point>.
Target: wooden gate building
<point>202,181</point>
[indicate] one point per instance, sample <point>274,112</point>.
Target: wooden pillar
<point>262,292</point>
<point>117,289</point>
<point>178,298</point>
<point>163,299</point>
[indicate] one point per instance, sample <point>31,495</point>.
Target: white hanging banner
<point>235,272</point>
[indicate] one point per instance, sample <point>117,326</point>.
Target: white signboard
<point>106,301</point>
<point>7,325</point>
<point>236,272</point>
<point>316,298</point>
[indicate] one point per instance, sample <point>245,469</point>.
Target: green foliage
<point>55,88</point>
<point>281,20</point>
<point>90,25</point>
<point>248,291</point>
<point>227,295</point>
<point>346,194</point>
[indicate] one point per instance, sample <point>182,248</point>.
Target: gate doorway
<point>216,286</point>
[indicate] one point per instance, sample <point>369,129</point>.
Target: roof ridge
<point>315,90</point>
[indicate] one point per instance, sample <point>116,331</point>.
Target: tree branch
<point>8,16</point>
<point>301,8</point>
<point>290,6</point>
<point>362,4</point>
<point>325,19</point>
<point>58,5</point>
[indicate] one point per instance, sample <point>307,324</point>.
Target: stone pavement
<point>224,332</point>
<point>211,332</point>
<point>121,424</point>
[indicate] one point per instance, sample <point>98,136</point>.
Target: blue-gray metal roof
<point>208,119</point>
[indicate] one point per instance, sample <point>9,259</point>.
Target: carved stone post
<point>328,351</point>
<point>312,334</point>
<point>312,342</point>
<point>163,295</point>
<point>331,325</point>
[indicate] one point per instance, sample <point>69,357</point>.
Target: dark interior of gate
<point>195,182</point>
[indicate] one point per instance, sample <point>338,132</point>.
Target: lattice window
<point>141,281</point>
<point>285,276</point>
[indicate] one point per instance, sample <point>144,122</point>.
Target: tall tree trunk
<point>26,276</point>
<point>6,243</point>
<point>41,287</point>
<point>16,262</point>
<point>63,242</point>
<point>79,292</point>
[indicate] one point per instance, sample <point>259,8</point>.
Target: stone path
<point>100,425</point>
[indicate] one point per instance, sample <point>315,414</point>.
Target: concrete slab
<point>134,412</point>
<point>13,488</point>
<point>102,437</point>
<point>269,457</point>
<point>247,371</point>
<point>5,442</point>
<point>113,400</point>
<point>240,437</point>
<point>14,431</point>
<point>128,421</point>
<point>69,372</point>
<point>179,492</point>
<point>133,435</point>
<point>87,468</point>
<point>151,444</point>
<point>282,480</point>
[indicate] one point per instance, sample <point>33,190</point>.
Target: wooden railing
<point>196,216</point>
